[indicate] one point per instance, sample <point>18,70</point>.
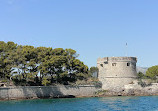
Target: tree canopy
<point>29,65</point>
<point>152,72</point>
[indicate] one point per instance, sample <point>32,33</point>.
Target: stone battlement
<point>117,59</point>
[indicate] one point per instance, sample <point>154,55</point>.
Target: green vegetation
<point>45,81</point>
<point>93,71</point>
<point>28,65</point>
<point>101,92</point>
<point>140,75</point>
<point>150,77</point>
<point>152,72</point>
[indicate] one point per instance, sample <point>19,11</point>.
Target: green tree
<point>53,65</point>
<point>80,71</point>
<point>25,62</point>
<point>93,71</point>
<point>43,55</point>
<point>140,75</point>
<point>6,63</point>
<point>19,61</point>
<point>30,64</point>
<point>152,72</point>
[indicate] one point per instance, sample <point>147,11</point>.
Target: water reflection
<point>118,103</point>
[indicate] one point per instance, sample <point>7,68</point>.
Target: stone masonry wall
<point>114,72</point>
<point>28,92</point>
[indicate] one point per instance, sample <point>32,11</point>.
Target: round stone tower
<point>115,72</point>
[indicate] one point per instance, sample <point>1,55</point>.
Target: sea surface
<point>139,103</point>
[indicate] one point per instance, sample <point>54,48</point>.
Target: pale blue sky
<point>94,28</point>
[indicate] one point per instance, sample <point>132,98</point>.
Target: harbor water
<point>137,103</point>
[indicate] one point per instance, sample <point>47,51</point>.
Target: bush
<point>4,80</point>
<point>101,92</point>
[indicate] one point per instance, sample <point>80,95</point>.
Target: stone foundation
<point>132,90</point>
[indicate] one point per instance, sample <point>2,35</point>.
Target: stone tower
<point>115,72</point>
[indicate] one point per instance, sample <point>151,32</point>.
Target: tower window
<point>105,62</point>
<point>113,64</point>
<point>101,65</point>
<point>128,64</point>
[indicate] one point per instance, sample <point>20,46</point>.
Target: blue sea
<point>137,103</point>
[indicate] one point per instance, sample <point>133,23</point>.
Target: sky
<point>94,28</point>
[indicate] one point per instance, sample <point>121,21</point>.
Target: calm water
<point>148,103</point>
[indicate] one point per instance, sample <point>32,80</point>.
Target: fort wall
<point>115,72</point>
<point>32,92</point>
